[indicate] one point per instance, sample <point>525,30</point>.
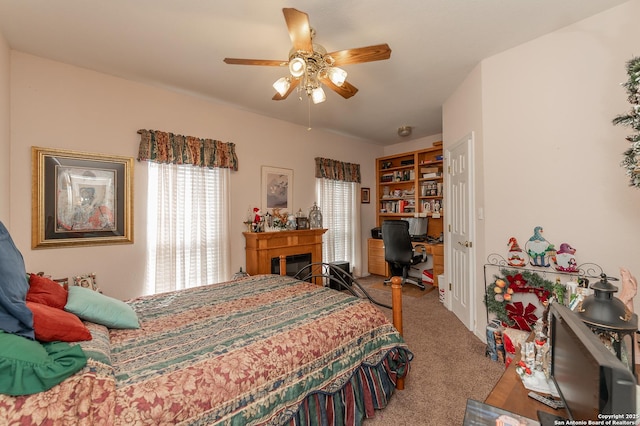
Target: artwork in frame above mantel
<point>277,189</point>
<point>80,198</point>
<point>276,211</point>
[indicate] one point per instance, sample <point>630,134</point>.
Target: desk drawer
<point>375,256</point>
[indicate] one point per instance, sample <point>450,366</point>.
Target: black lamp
<point>610,319</point>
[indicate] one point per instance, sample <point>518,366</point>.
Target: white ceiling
<point>180,44</point>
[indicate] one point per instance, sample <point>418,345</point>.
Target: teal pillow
<point>92,306</point>
<point>27,366</point>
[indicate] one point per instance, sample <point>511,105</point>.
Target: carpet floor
<point>407,289</point>
<point>449,364</point>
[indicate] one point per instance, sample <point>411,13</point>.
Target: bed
<point>261,350</point>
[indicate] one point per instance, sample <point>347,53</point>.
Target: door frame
<point>468,139</point>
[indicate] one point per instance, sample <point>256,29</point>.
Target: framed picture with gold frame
<point>80,199</point>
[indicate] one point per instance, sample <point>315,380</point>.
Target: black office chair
<point>399,252</point>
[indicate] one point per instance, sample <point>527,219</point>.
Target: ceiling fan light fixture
<point>297,67</point>
<point>309,64</point>
<point>404,131</point>
<point>318,95</point>
<point>282,85</point>
<point>337,75</point>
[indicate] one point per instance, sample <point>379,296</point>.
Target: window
<point>187,227</point>
<point>338,202</point>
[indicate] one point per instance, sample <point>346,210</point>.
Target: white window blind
<point>338,202</point>
<point>187,227</point>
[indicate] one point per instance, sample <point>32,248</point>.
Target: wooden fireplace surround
<point>261,247</point>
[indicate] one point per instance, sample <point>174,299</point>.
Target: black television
<point>591,381</point>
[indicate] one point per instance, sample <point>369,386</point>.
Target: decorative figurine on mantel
<point>291,222</point>
<point>258,220</point>
<point>539,249</point>
<point>515,257</point>
<point>565,259</point>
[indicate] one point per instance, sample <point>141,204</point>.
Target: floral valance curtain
<point>163,147</point>
<point>337,170</point>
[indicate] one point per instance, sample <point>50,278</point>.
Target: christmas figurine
<point>258,220</point>
<point>538,248</point>
<point>515,256</point>
<point>565,259</point>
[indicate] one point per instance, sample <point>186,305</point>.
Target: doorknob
<point>466,243</point>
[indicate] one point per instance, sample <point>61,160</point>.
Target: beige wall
<point>413,145</point>
<point>55,105</point>
<point>551,155</point>
<point>5,131</point>
<point>462,115</point>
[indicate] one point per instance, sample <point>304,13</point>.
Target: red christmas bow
<point>523,317</point>
<point>517,283</point>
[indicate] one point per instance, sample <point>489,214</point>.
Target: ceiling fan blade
<point>299,29</point>
<point>378,52</point>
<point>266,62</point>
<point>347,90</point>
<point>292,87</point>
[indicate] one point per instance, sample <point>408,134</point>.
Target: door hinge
<point>449,286</point>
<point>449,227</point>
<point>449,169</point>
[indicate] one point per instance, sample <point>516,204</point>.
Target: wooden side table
<point>511,395</point>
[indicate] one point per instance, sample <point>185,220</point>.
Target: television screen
<point>589,377</point>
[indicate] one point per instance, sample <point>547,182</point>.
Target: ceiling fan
<point>310,65</point>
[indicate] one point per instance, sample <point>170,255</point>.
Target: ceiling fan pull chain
<point>309,111</point>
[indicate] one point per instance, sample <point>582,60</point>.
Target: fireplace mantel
<point>261,247</point>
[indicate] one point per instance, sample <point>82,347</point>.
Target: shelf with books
<point>411,184</point>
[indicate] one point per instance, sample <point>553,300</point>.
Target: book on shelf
<point>428,170</point>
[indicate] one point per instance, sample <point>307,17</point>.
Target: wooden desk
<point>378,266</point>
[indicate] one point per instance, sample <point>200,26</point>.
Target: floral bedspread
<point>264,350</point>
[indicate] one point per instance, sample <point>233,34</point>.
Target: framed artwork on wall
<point>277,189</point>
<point>365,195</point>
<point>80,198</point>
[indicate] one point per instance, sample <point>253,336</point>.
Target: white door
<point>460,258</point>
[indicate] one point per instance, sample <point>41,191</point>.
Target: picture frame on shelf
<point>277,189</point>
<point>365,195</point>
<point>302,223</point>
<point>80,198</point>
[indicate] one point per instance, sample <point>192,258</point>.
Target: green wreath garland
<point>631,159</point>
<point>533,281</point>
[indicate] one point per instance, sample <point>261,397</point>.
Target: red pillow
<point>51,324</point>
<point>46,291</point>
